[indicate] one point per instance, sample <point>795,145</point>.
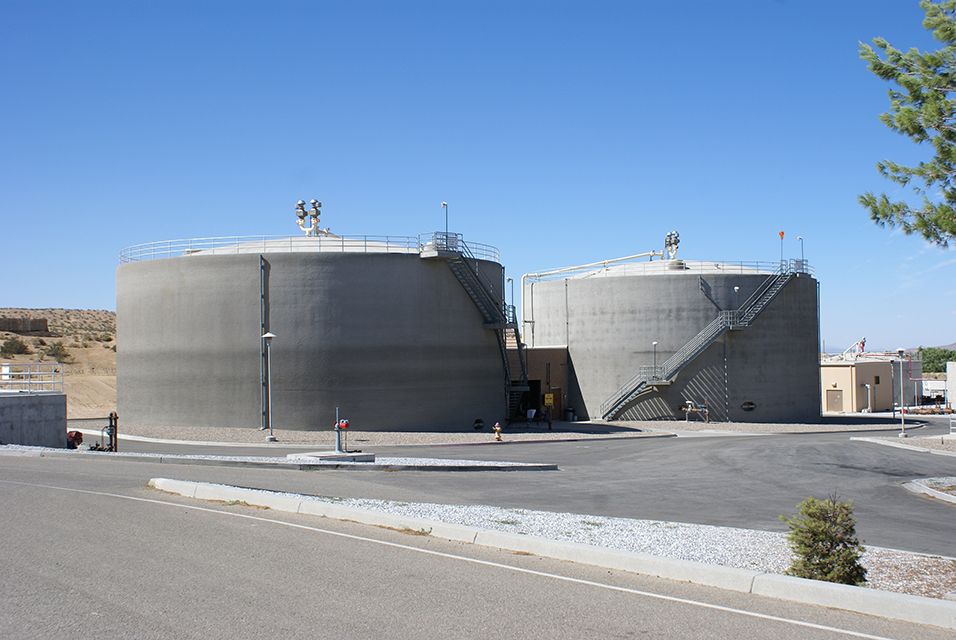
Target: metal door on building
<point>835,400</point>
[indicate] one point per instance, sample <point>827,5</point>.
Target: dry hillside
<point>89,362</point>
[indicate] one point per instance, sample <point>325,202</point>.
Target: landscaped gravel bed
<point>767,551</point>
<point>943,485</point>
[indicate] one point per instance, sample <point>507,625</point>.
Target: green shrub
<point>58,352</point>
<point>13,346</point>
<point>824,543</point>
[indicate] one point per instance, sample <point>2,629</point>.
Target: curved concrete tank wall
<point>393,340</point>
<point>610,323</point>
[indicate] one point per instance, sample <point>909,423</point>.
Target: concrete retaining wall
<point>35,420</point>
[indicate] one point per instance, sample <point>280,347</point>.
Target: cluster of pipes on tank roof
<point>671,240</point>
<point>313,214</point>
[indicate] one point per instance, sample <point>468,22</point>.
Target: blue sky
<point>561,132</point>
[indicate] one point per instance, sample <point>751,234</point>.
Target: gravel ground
<point>887,569</point>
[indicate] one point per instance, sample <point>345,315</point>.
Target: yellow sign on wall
<point>549,399</point>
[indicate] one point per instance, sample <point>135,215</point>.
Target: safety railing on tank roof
<point>455,242</point>
<point>296,244</point>
<point>31,377</point>
<point>613,268</point>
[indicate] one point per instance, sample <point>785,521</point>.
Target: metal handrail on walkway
<point>455,242</point>
<point>31,377</point>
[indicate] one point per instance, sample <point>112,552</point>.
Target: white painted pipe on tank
<point>603,263</point>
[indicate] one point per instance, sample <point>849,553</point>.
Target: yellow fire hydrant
<point>498,431</point>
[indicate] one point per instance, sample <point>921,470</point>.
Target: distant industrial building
<point>859,381</point>
<point>850,387</point>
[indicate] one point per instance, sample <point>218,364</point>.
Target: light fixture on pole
<point>900,351</point>
<point>800,240</point>
<point>512,282</point>
<point>444,205</point>
<point>268,338</point>
<point>736,298</point>
<point>655,359</point>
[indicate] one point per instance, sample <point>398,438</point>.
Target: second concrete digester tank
<point>644,338</point>
<point>370,325</point>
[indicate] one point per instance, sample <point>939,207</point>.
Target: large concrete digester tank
<point>646,338</point>
<point>373,327</point>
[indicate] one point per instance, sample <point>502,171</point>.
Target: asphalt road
<point>89,552</point>
<point>738,481</point>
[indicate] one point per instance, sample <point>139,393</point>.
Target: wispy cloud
<point>940,265</point>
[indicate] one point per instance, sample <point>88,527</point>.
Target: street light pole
<point>512,282</point>
<point>800,239</point>
<point>655,359</point>
<point>444,205</point>
<point>268,338</point>
<point>902,415</point>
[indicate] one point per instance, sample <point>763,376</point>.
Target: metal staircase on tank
<point>649,376</point>
<point>499,317</point>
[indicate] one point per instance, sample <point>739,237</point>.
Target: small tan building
<point>852,387</point>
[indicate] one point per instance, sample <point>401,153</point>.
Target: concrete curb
<point>280,463</point>
<point>538,441</point>
<point>883,604</point>
<point>933,493</point>
<point>900,445</point>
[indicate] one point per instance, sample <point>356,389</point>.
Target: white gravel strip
<point>943,485</point>
<point>766,551</point>
<point>727,546</point>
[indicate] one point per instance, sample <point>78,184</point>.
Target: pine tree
<point>922,110</point>
<point>824,542</point>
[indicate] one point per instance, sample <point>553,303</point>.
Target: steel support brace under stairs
<point>498,316</point>
<point>740,318</point>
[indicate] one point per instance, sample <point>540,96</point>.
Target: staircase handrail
<point>486,286</point>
